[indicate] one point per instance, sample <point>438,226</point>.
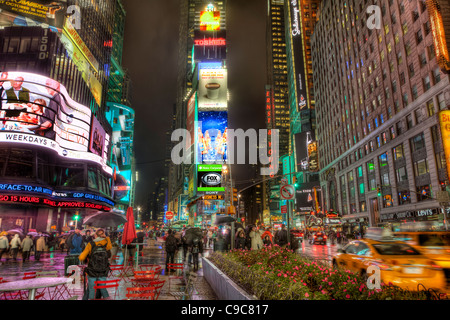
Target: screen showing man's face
<point>17,83</point>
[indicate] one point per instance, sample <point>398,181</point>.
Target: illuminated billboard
<point>439,38</point>
<point>444,119</point>
<point>212,137</point>
<point>98,137</point>
<point>210,45</point>
<point>38,110</point>
<point>306,152</point>
<point>190,121</point>
<point>209,20</point>
<point>122,185</point>
<point>209,178</point>
<point>213,89</point>
<point>51,12</point>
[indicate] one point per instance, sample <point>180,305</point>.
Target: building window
<point>401,174</point>
<point>387,201</point>
<point>398,152</point>
<point>404,197</point>
<point>383,160</point>
<point>423,193</point>
<point>421,167</point>
<point>441,101</point>
<point>418,142</point>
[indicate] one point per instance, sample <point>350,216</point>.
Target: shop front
<point>394,221</point>
<point>355,228</point>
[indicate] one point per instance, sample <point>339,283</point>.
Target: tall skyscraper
<point>378,95</point>
<point>55,139</point>
<point>202,95</point>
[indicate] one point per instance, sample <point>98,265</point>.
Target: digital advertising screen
<point>51,12</point>
<point>213,89</point>
<point>212,137</point>
<point>122,184</point>
<point>98,137</point>
<point>209,20</point>
<point>210,45</point>
<point>209,178</point>
<point>38,110</point>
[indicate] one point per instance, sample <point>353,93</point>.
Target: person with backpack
<point>97,252</point>
<point>281,237</point>
<point>171,248</point>
<point>195,249</point>
<point>26,246</point>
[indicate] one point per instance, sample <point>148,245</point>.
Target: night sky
<point>150,55</point>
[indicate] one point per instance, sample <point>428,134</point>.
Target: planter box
<point>222,285</point>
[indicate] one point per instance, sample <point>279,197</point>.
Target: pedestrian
<point>195,249</point>
<point>205,238</point>
<point>210,240</point>
<point>256,238</point>
<point>39,248</point>
<point>26,246</point>
<point>281,237</point>
<point>171,248</point>
<point>240,240</point>
<point>4,244</point>
<point>97,252</point>
<point>15,246</point>
<point>75,242</point>
<point>268,233</point>
<point>184,245</point>
<point>87,238</point>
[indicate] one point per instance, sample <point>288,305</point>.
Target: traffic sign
<point>169,215</point>
<point>284,181</point>
<point>287,192</point>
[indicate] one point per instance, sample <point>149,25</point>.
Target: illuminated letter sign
<point>211,42</point>
<point>437,27</point>
<point>444,119</point>
<point>295,19</point>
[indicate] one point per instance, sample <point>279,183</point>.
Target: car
<point>318,238</point>
<point>296,239</point>
<point>398,262</point>
<point>433,244</point>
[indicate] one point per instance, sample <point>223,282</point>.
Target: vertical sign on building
<point>439,39</point>
<point>297,55</point>
<point>444,119</point>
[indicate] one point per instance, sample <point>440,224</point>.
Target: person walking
<point>209,235</point>
<point>171,248</point>
<point>97,252</point>
<point>39,248</point>
<point>195,249</point>
<point>256,238</point>
<point>4,244</point>
<point>281,237</point>
<point>26,246</point>
<point>15,246</point>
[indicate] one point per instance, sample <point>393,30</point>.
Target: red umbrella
<point>129,229</point>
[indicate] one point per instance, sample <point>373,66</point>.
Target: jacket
<point>15,242</point>
<point>267,233</point>
<point>77,242</point>
<point>240,242</point>
<point>40,244</point>
<point>171,239</point>
<point>4,242</point>
<point>26,244</point>
<point>257,242</point>
<point>98,242</point>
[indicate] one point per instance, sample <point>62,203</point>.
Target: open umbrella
<point>105,219</point>
<point>224,219</point>
<point>193,233</point>
<point>16,231</point>
<point>33,234</point>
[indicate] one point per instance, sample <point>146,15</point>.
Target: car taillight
<point>434,266</point>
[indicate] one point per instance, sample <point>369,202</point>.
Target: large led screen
<point>38,110</point>
<point>212,137</point>
<point>209,178</point>
<point>209,20</point>
<point>213,89</point>
<point>51,12</point>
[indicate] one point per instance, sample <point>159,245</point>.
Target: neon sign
<point>52,203</point>
<point>211,42</point>
<point>210,20</point>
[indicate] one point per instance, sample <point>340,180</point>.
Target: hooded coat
<point>15,242</point>
<point>40,244</point>
<point>4,242</point>
<point>257,242</point>
<point>27,243</point>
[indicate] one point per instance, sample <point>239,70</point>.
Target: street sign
<point>287,192</point>
<point>169,215</point>
<point>283,209</point>
<point>213,197</point>
<point>284,181</point>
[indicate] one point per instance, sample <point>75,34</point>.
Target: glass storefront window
<point>19,163</point>
<point>404,197</point>
<point>72,176</point>
<point>93,179</point>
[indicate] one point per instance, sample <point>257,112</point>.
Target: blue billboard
<point>212,137</point>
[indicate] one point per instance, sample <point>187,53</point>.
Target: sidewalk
<point>153,253</point>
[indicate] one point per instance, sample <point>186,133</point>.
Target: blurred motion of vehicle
<point>433,244</point>
<point>318,238</point>
<point>399,263</point>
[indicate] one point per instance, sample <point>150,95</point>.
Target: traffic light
<point>378,191</point>
<point>76,217</point>
<point>235,195</point>
<point>294,181</point>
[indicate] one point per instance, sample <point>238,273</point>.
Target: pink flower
<point>330,283</point>
<point>306,295</point>
<point>347,296</point>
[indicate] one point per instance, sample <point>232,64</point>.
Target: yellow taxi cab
<point>433,244</point>
<point>399,263</point>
